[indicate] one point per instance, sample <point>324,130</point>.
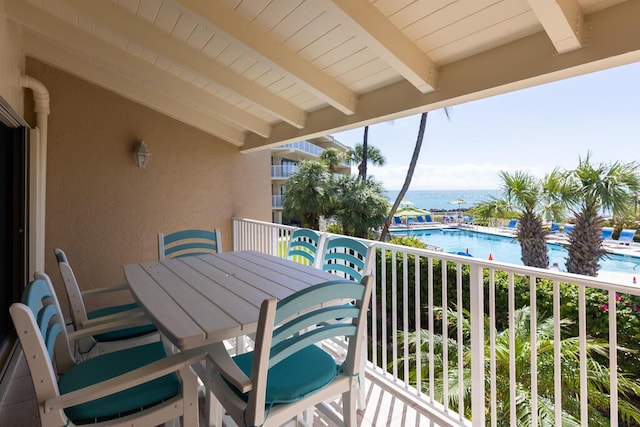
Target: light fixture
<point>141,154</point>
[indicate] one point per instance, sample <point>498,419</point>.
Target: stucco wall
<point>11,62</point>
<point>104,211</point>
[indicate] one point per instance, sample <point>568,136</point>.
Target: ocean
<point>441,199</point>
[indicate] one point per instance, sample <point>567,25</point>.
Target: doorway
<point>13,228</point>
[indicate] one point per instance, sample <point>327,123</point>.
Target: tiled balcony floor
<point>384,408</point>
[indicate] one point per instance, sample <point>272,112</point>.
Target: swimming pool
<point>507,249</point>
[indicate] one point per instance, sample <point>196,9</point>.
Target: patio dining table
<point>200,300</point>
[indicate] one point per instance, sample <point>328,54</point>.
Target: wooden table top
<point>200,300</point>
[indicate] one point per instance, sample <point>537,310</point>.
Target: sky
<point>535,130</point>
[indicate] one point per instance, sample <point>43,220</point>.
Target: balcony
<point>283,171</point>
<point>277,201</point>
<point>480,295</point>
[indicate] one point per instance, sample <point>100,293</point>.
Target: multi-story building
<point>284,162</point>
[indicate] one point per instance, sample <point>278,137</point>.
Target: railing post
<point>477,346</point>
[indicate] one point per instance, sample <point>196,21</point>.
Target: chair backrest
<point>189,242</point>
<point>607,233</point>
<point>397,220</point>
<point>568,228</point>
<point>420,218</point>
<point>307,317</point>
<point>304,246</point>
<point>43,336</point>
<point>555,227</point>
<point>346,257</point>
<point>512,223</point>
<point>626,235</point>
<point>428,218</point>
<point>76,302</point>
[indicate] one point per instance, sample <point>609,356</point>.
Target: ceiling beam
<point>86,70</point>
<point>248,35</point>
<point>389,42</point>
<point>614,40</point>
<point>562,21</point>
<point>152,38</point>
<point>42,22</point>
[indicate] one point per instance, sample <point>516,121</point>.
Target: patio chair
<point>626,236</point>
<point>555,228</point>
<point>607,233</point>
<point>567,229</point>
<point>189,242</point>
<point>346,257</point>
<point>420,219</point>
<point>136,386</point>
<point>81,319</point>
<point>287,373</point>
<point>397,220</point>
<point>304,246</point>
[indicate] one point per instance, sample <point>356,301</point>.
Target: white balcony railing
<point>283,171</point>
<point>277,201</point>
<point>481,297</point>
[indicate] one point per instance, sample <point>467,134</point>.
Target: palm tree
<point>331,158</point>
<point>597,373</point>
<point>410,171</point>
<point>373,155</point>
<point>306,194</point>
<point>359,205</point>
<point>609,187</point>
<point>523,192</point>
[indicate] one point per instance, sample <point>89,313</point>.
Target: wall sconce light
<point>141,154</point>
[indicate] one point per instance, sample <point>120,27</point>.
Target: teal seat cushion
<point>109,365</point>
<point>297,376</point>
<point>121,334</point>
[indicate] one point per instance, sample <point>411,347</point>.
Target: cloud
<point>440,177</point>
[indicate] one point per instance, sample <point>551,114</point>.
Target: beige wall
<point>11,62</point>
<point>106,212</point>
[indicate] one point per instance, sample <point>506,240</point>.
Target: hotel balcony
<point>406,299</point>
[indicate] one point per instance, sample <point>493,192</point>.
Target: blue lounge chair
<point>626,236</point>
<point>567,229</point>
<point>397,220</point>
<point>607,233</point>
<point>420,219</point>
<point>555,228</point>
<point>513,222</point>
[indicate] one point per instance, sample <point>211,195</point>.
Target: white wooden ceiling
<point>257,73</point>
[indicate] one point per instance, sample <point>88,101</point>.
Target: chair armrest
<point>138,376</point>
<point>127,314</point>
<point>106,289</point>
<point>126,322</point>
<point>222,362</point>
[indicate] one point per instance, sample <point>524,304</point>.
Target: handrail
<point>406,299</point>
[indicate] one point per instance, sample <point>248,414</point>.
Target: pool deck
<point>611,246</point>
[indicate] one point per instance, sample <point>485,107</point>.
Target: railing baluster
<point>445,337</point>
<point>492,346</point>
<point>405,316</point>
<point>460,339</point>
<point>613,358</point>
<point>512,351</point>
<point>582,327</point>
<point>417,303</point>
<point>533,321</point>
<point>394,313</point>
<point>476,309</point>
<point>557,354</point>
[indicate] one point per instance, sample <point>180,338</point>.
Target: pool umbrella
<point>458,202</point>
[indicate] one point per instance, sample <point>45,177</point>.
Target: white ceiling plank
<point>563,22</point>
<point>86,70</point>
<point>39,21</point>
<point>614,40</point>
<point>384,38</point>
<point>150,37</point>
<point>263,44</point>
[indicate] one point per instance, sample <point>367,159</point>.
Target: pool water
<point>507,249</point>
